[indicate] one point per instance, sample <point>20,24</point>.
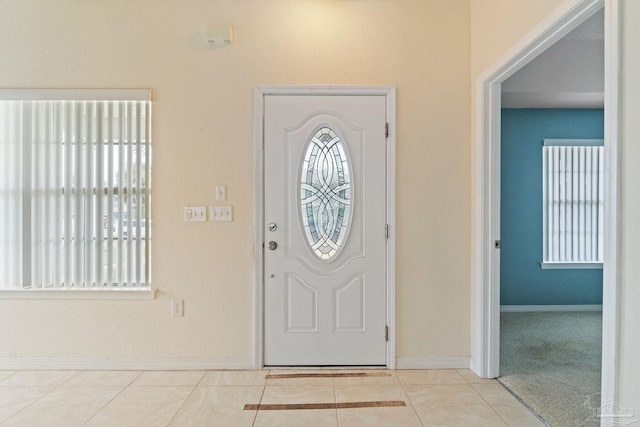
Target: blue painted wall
<point>522,281</point>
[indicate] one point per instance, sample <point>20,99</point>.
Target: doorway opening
<point>486,261</point>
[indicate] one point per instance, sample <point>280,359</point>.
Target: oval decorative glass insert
<point>326,193</point>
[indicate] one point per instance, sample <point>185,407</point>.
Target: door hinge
<point>496,244</point>
<point>386,130</point>
<point>386,333</point>
<point>386,231</point>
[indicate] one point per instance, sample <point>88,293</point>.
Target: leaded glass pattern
<point>326,193</point>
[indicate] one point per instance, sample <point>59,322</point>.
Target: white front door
<point>324,218</point>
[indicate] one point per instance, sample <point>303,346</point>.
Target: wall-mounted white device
<point>195,213</point>
<point>220,36</point>
<point>220,213</point>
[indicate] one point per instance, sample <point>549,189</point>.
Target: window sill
<point>571,265</point>
<point>105,294</point>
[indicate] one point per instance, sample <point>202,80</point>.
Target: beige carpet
<point>552,362</point>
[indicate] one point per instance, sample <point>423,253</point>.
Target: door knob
<point>273,245</point>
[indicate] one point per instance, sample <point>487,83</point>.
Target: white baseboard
<point>547,308</point>
<point>94,364</point>
<point>432,363</point>
<point>89,364</point>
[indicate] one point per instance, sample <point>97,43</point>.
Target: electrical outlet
<point>177,306</point>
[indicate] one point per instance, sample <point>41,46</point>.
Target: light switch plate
<point>220,213</point>
<point>221,193</point>
<point>195,213</point>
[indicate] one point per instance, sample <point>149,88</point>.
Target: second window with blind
<point>75,189</point>
<point>573,203</point>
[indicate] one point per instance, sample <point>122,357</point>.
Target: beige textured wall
<point>497,25</point>
<point>203,136</point>
<point>629,370</point>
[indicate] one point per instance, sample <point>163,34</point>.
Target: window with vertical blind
<point>75,189</point>
<point>573,197</point>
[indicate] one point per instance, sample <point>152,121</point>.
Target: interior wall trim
<point>432,363</point>
<point>124,364</point>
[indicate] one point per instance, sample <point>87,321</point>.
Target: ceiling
<point>570,74</point>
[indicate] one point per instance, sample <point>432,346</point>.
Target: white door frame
<point>485,307</point>
<point>259,95</point>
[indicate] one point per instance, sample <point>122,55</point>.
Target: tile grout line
<point>187,398</point>
<point>472,385</point>
<point>264,388</point>
<point>516,397</point>
<point>489,404</point>
<point>7,377</point>
<point>525,404</point>
<point>335,396</point>
<point>415,411</point>
<point>69,379</point>
<point>53,388</point>
<point>182,405</point>
<point>113,398</point>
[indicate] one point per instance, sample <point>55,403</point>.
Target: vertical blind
<point>75,187</point>
<point>573,196</point>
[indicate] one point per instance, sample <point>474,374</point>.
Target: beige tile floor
<point>217,398</point>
